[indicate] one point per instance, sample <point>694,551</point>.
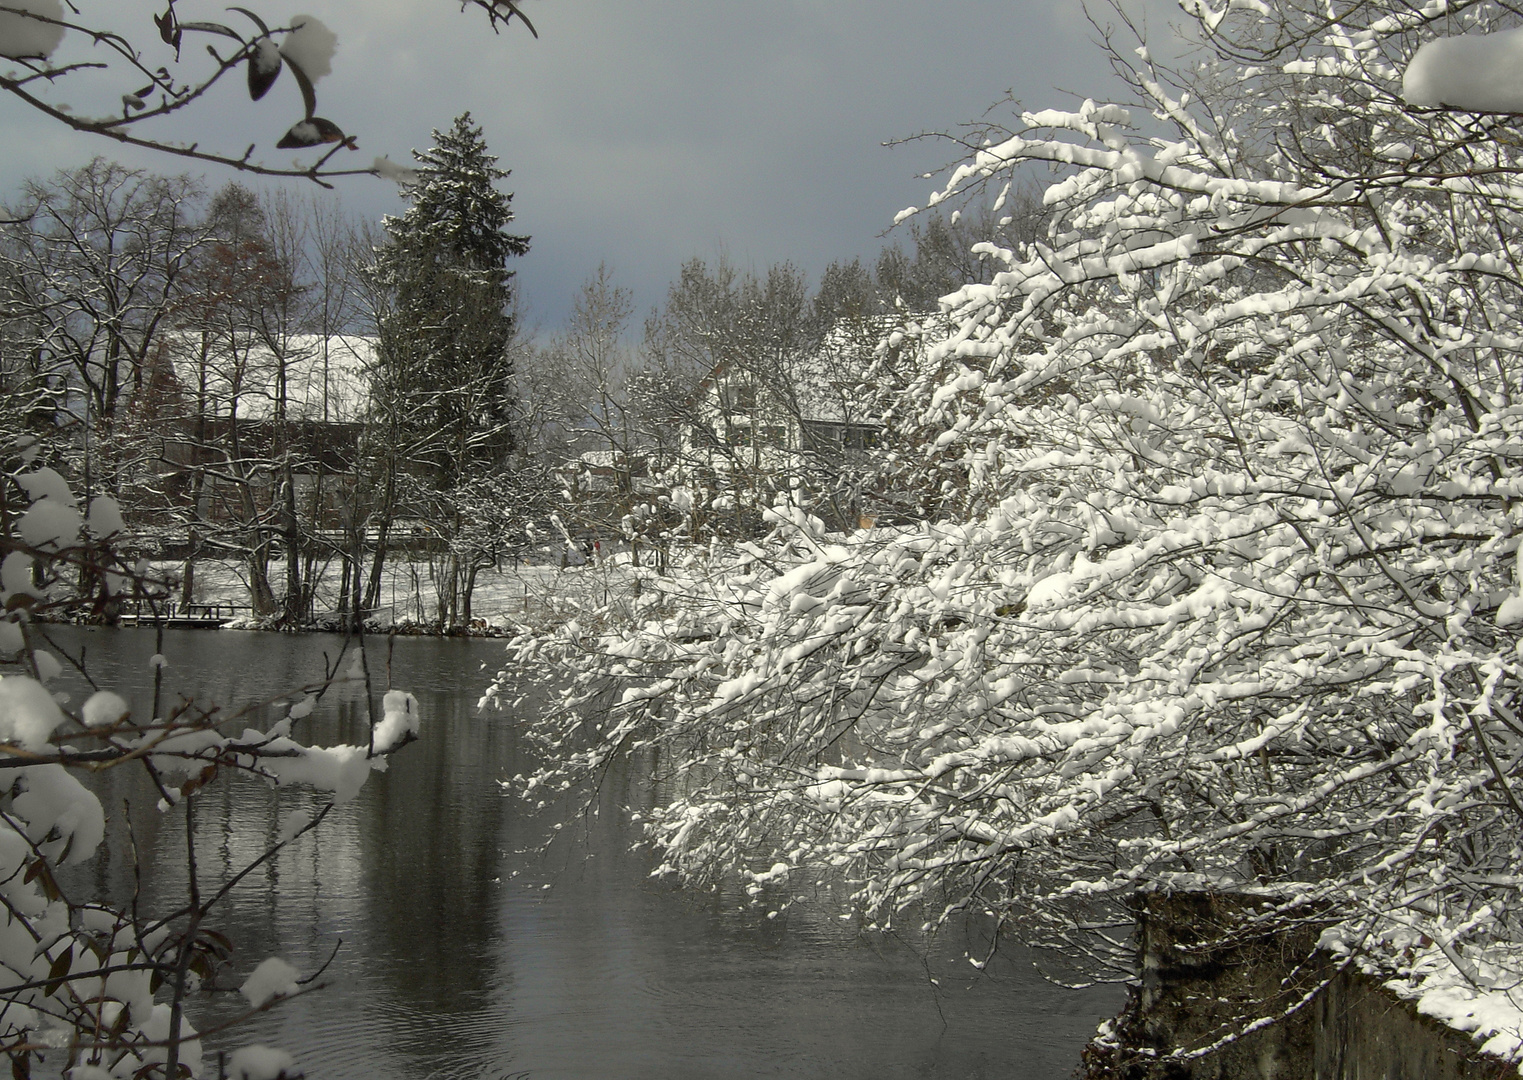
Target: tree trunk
<point>384,514</point>
<point>357,611</point>
<point>261,596</point>
<point>296,611</point>
<point>188,579</point>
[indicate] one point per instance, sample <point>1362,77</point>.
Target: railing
<point>213,614</point>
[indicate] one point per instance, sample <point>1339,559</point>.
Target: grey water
<point>462,951</point>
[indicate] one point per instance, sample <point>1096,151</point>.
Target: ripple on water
<point>452,966</point>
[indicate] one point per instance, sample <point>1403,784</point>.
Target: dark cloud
<point>645,133</point>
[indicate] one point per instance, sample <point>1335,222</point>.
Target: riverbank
<point>1220,992</point>
<point>503,599</point>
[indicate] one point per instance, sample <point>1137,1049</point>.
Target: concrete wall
<point>1204,979</point>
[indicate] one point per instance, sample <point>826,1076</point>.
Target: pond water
<point>465,955</point>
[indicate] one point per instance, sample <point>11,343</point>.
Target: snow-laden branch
<point>112,74</point>
<point>1218,578</point>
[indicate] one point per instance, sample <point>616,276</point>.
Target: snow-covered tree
<point>445,362</point>
<point>442,386</point>
<point>722,351</point>
<point>1221,581</point>
<point>590,425</point>
<point>93,257</point>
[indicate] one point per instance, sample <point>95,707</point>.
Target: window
<point>859,436</point>
<point>827,437</point>
<point>738,396</point>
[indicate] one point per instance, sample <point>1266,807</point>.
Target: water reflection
<point>464,957</point>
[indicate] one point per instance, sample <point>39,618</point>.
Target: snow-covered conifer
<point>445,362</point>
<point>442,389</point>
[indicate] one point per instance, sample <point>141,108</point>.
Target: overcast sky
<point>645,132</point>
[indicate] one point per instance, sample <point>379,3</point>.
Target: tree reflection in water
<point>466,954</point>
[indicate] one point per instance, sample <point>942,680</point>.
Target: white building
<point>323,379</point>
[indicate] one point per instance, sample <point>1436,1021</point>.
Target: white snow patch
<point>339,769</point>
<point>387,169</point>
<point>307,133</point>
<point>295,822</point>
<point>271,978</point>
<point>28,713</point>
<point>266,56</point>
<point>16,576</point>
<point>1475,72</point>
<point>310,46</point>
<point>156,1029</point>
<point>105,517</point>
<point>49,523</point>
<point>401,719</point>
<point>48,667</point>
<point>23,37</point>
<point>55,802</point>
<point>102,708</point>
<point>180,754</point>
<point>46,483</point>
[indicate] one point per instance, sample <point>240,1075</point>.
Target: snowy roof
<point>827,382</point>
<point>325,376</point>
<point>602,459</point>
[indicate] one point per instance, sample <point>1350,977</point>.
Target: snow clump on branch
<point>310,46</point>
<point>272,978</point>
<point>22,37</point>
<point>1473,72</point>
<point>85,975</point>
<point>387,169</point>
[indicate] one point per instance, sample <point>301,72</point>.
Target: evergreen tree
<point>442,387</point>
<point>445,364</point>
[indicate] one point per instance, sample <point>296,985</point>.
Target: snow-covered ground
<point>526,592</point>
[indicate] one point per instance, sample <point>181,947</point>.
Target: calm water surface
<point>464,956</point>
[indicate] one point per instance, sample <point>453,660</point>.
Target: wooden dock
<point>180,616</point>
